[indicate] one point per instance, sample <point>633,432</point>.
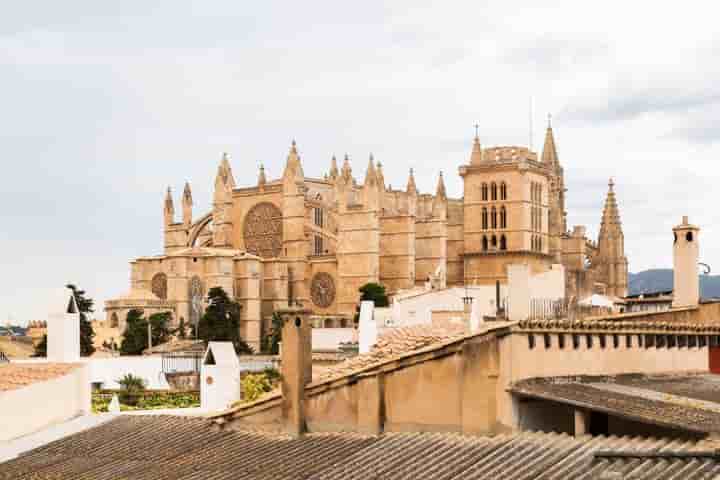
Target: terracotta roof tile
<point>18,375</point>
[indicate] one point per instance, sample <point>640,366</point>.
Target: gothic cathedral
<point>316,241</point>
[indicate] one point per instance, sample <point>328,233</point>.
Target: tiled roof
<point>393,343</point>
<point>689,402</point>
<point>18,375</point>
<point>177,345</point>
<point>162,447</point>
<point>622,324</point>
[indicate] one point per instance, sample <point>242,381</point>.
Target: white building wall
<point>331,338</point>
<point>417,308</point>
<point>36,406</point>
<point>109,370</point>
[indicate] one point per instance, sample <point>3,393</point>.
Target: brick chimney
<point>296,364</point>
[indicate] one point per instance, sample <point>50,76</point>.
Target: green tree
<point>274,337</point>
<point>41,348</point>
<point>221,321</point>
<point>376,293</point>
<point>135,336</point>
<point>85,305</point>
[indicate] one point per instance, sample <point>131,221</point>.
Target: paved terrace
<point>193,449</point>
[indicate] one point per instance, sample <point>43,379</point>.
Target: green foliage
<point>271,342</point>
<point>41,348</point>
<point>221,321</point>
<point>273,375</point>
<point>376,293</point>
<point>254,385</point>
<point>148,401</point>
<point>85,305</point>
<point>135,337</point>
<point>131,387</point>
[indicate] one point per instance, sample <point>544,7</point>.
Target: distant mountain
<point>661,279</point>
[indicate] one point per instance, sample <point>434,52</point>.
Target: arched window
<point>114,322</point>
<point>493,191</point>
<point>493,218</point>
<point>493,241</point>
<point>484,243</point>
<point>503,191</point>
<point>503,217</point>
<point>539,244</point>
<point>484,190</point>
<point>503,242</point>
<point>484,218</point>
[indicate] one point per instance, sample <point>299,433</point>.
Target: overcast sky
<point>105,104</point>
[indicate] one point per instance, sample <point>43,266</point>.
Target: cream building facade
<point>317,240</point>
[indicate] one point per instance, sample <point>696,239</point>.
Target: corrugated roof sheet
<point>161,447</point>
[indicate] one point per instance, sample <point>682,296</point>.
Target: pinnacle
<point>441,187</point>
<point>411,187</point>
<point>476,156</point>
<point>261,176</point>
<point>549,153</point>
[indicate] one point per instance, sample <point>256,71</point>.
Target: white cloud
<point>104,105</point>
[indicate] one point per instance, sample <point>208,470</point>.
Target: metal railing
<point>4,358</point>
<point>181,362</point>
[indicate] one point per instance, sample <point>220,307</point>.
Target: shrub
<point>254,385</point>
<point>131,387</point>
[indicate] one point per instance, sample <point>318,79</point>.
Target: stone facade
<point>316,241</point>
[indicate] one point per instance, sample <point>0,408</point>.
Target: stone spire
<point>441,193</point>
<point>611,214</point>
<point>549,153</point>
<point>371,173</point>
<point>169,208</point>
<point>611,246</point>
<point>261,176</point>
<point>411,187</point>
<point>293,167</point>
<point>380,175</point>
<point>333,168</point>
<point>187,203</point>
<point>476,156</point>
<point>346,170</point>
<point>440,203</point>
<point>227,170</point>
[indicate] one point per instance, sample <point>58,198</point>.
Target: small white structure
<point>368,327</point>
<point>63,329</point>
<point>219,377</point>
<point>686,252</point>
